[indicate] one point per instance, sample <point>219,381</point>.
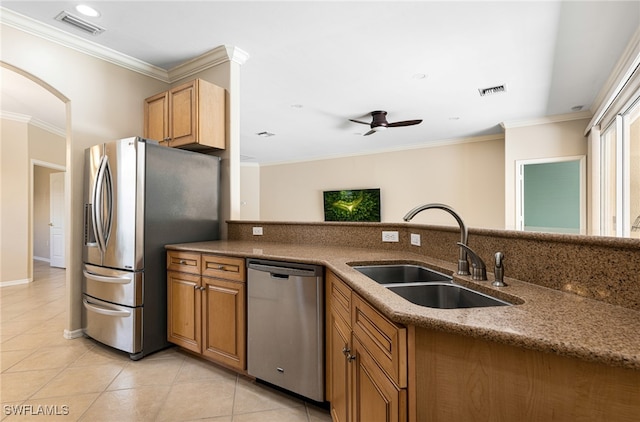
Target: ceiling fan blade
<point>369,133</point>
<point>358,121</point>
<point>404,123</point>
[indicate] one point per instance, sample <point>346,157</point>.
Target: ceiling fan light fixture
<point>379,128</point>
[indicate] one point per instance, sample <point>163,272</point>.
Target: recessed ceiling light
<point>296,106</point>
<point>454,118</point>
<point>87,10</point>
<point>577,108</point>
<point>419,76</point>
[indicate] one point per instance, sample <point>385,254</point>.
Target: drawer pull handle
<point>183,262</point>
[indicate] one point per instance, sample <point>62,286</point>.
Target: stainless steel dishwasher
<point>285,326</point>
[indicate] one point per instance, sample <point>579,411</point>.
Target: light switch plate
<point>257,231</point>
<point>415,239</point>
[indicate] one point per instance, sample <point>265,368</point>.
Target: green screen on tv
<point>352,205</point>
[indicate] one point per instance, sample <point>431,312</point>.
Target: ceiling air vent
<point>79,23</point>
<point>492,90</point>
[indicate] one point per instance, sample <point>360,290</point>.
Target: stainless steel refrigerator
<point>138,197</point>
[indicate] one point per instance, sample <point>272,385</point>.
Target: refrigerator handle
<point>102,186</point>
<point>108,182</point>
<point>105,279</point>
<point>103,311</point>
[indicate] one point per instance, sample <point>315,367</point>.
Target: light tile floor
<point>44,373</point>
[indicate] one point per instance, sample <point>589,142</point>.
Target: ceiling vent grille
<point>492,90</point>
<point>79,23</point>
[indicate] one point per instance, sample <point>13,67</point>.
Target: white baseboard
<point>15,282</point>
<point>39,258</point>
<point>69,335</point>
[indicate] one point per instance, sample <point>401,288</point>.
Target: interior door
<point>57,220</point>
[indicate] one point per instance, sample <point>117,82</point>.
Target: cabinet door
<point>156,117</point>
<point>183,310</point>
<point>339,350</point>
<point>375,397</point>
<point>183,114</point>
<point>224,322</point>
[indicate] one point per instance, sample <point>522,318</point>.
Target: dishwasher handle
<point>282,271</point>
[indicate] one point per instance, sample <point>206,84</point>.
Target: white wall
<point>250,192</point>
<point>469,176</point>
<point>543,140</point>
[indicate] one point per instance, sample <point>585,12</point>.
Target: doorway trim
<point>32,165</point>
<point>519,183</point>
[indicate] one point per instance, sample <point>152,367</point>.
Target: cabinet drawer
<point>385,341</point>
<point>339,295</point>
<point>185,262</point>
<point>223,267</point>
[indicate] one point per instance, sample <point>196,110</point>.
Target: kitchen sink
<point>401,273</point>
<point>445,296</point>
<point>427,287</point>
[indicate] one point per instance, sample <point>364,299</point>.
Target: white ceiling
<point>314,65</point>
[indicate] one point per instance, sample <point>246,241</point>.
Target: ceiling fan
<point>379,122</point>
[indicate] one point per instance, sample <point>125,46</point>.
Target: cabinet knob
<point>346,351</point>
<point>195,287</point>
<point>202,288</point>
<point>351,358</point>
<point>182,262</point>
<point>221,267</point>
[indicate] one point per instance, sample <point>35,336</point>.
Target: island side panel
<point>464,378</point>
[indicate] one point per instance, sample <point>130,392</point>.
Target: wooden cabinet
<point>366,359</point>
<point>189,116</point>
<point>207,306</point>
<point>223,310</point>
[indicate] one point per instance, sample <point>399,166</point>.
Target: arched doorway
<point>32,111</point>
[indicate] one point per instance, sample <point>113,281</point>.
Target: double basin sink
<point>427,287</point>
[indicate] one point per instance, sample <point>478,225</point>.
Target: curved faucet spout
<point>463,264</point>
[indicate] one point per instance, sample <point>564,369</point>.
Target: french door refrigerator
<point>138,197</point>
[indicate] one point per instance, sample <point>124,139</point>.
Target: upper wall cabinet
<point>189,116</point>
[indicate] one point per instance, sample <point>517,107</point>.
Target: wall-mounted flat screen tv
<point>352,205</point>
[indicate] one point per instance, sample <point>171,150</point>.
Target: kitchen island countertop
<point>542,319</point>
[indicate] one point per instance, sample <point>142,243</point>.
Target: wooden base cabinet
<point>207,306</point>
<point>366,359</point>
<point>375,396</point>
<point>189,116</point>
<point>223,313</point>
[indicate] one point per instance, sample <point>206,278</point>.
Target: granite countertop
<point>542,319</point>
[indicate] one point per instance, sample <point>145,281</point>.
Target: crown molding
<point>209,59</point>
<point>29,120</point>
<point>622,71</point>
<point>586,114</point>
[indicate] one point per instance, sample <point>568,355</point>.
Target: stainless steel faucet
<point>478,268</point>
<point>463,264</point>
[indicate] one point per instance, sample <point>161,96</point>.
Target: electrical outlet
<point>390,236</point>
<point>415,239</point>
<point>257,231</point>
